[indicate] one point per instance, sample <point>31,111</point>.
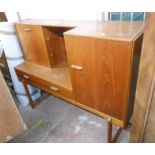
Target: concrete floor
<point>56,121</point>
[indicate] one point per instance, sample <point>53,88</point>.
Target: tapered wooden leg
<point>33,103</point>
<point>28,93</point>
<point>116,134</point>
<point>109,132</point>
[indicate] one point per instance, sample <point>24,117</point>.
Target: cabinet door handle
<point>48,38</point>
<point>27,29</point>
<point>76,67</point>
<point>54,88</point>
<point>26,76</point>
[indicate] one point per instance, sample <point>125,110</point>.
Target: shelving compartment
<point>55,45</point>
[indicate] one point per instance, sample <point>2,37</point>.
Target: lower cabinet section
<point>58,91</point>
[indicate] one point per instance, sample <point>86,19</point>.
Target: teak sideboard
<point>93,64</point>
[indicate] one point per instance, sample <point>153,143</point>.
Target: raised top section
<point>114,30</point>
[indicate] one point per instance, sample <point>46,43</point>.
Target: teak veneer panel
<point>112,62</point>
<point>104,81</point>
<point>32,41</point>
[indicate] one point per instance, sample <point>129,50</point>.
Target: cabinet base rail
<point>34,104</point>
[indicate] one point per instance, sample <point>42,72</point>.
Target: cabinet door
<point>31,38</point>
<point>79,52</point>
<point>112,60</point>
<point>100,73</point>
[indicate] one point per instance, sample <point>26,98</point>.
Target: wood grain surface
<point>102,57</point>
<point>11,123</point>
<point>104,82</point>
<point>144,112</point>
<point>31,39</point>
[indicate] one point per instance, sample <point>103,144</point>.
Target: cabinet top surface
<point>114,30</point>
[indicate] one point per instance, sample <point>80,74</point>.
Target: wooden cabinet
<point>93,64</point>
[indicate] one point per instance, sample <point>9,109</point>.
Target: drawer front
<point>44,85</point>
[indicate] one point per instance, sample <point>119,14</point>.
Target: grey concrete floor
<point>56,121</point>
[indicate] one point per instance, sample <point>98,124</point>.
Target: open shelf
<point>55,44</point>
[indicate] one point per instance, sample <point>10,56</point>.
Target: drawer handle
<point>26,76</point>
<point>27,29</point>
<point>76,67</point>
<point>54,88</point>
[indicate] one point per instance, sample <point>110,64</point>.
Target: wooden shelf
<point>59,75</point>
<point>55,44</point>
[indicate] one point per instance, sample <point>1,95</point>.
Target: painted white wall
<point>66,15</point>
<point>58,9</point>
<point>54,14</point>
<point>12,16</point>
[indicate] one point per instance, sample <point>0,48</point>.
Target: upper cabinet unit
<point>43,45</point>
